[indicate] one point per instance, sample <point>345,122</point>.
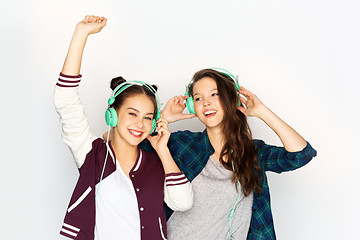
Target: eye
<point>149,118</point>
<point>132,114</point>
<point>197,99</point>
<point>215,94</point>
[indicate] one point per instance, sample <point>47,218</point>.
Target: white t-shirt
<point>117,214</point>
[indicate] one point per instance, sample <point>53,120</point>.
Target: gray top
<point>214,197</point>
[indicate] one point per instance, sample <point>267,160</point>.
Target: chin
<point>211,122</point>
<point>136,142</point>
<point>214,124</point>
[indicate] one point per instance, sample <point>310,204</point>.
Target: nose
<point>139,123</point>
<point>206,102</point>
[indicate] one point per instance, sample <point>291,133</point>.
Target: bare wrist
<point>263,112</point>
<point>162,151</point>
<point>80,32</point>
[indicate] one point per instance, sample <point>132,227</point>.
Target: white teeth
<point>135,133</point>
<point>209,112</point>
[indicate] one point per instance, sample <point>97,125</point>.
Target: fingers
<point>161,119</point>
<point>163,131</point>
<point>243,110</point>
<point>91,24</point>
<point>242,88</point>
<point>94,19</point>
<point>245,92</point>
<point>179,100</point>
<point>91,19</point>
<point>244,100</point>
<point>162,123</point>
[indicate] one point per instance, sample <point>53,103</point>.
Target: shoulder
<point>150,163</point>
<point>149,154</point>
<point>98,144</point>
<point>189,143</point>
<point>150,158</point>
<point>259,143</point>
<point>97,153</point>
<point>181,140</point>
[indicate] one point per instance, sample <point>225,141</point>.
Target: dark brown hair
<point>238,149</point>
<point>131,91</point>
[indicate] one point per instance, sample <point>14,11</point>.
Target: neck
<point>216,137</point>
<point>124,152</point>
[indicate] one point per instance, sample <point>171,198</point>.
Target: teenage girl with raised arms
<point>121,188</point>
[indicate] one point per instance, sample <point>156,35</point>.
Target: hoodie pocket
<point>80,199</point>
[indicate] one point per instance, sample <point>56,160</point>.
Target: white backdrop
<point>300,57</point>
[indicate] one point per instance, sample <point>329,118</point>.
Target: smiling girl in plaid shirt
<point>225,165</point>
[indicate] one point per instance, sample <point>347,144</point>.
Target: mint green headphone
<point>190,100</point>
<point>111,117</point>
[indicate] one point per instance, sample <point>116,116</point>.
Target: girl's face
<point>207,103</point>
<point>135,119</point>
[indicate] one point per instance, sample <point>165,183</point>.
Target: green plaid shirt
<point>191,151</point>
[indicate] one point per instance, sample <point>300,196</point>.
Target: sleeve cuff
<point>174,179</point>
<point>307,153</point>
<point>68,81</point>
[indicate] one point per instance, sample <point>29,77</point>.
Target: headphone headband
<point>123,86</point>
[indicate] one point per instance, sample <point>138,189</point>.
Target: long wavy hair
<point>239,153</point>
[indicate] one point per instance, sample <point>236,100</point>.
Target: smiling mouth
<point>135,133</point>
<point>210,113</point>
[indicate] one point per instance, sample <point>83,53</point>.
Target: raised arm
<point>291,140</point>
<point>75,128</point>
<point>89,25</point>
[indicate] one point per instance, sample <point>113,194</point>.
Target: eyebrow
<point>134,109</point>
<point>214,89</point>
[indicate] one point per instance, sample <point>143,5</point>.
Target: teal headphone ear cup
<point>153,126</point>
<point>190,105</point>
<point>156,117</point>
<point>111,117</point>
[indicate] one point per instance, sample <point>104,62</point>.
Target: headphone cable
<point>107,153</point>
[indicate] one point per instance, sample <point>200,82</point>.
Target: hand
<point>254,106</point>
<point>159,142</point>
<point>173,110</point>
<point>91,24</point>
